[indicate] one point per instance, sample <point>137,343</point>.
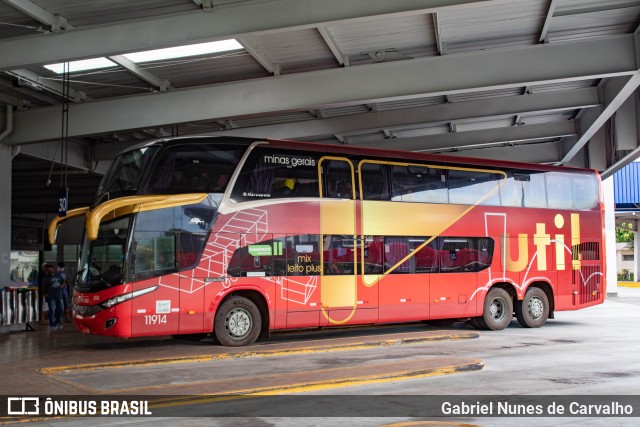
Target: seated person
<point>343,190</point>
<point>201,182</point>
<point>221,183</point>
<point>285,187</point>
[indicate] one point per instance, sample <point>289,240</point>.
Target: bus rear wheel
<point>237,322</point>
<point>498,310</point>
<point>533,310</point>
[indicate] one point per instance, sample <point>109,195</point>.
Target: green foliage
<point>624,234</point>
<point>625,276</point>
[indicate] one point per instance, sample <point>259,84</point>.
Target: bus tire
<point>498,310</point>
<point>237,322</point>
<point>533,310</point>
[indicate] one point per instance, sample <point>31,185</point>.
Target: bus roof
<point>361,151</point>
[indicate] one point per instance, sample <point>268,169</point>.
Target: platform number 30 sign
<point>63,201</point>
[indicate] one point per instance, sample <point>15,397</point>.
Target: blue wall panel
<point>626,184</point>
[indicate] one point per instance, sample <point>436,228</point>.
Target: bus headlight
<point>125,297</point>
<point>86,310</point>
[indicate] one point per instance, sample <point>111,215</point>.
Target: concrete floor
<point>589,352</point>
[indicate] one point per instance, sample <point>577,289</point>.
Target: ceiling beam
<point>228,21</point>
<point>55,23</point>
<point>547,21</point>
<point>536,152</point>
<point>76,158</point>
<point>331,43</point>
<point>141,73</point>
<point>16,102</point>
<point>438,33</point>
<point>631,157</point>
<point>629,87</point>
<point>486,70</point>
<point>257,54</point>
<point>574,9</point>
<point>206,5</point>
<point>35,94</point>
<point>37,82</point>
<point>476,139</point>
<point>454,111</point>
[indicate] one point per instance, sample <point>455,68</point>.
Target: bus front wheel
<point>533,310</point>
<point>237,322</point>
<point>498,310</point>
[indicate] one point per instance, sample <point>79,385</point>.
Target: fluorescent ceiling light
<point>83,65</point>
<point>184,51</point>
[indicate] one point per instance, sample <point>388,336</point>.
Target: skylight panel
<point>150,55</point>
<point>184,51</point>
<point>82,65</point>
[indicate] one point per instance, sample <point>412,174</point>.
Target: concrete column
<point>5,215</point>
<point>610,236</point>
<point>636,255</point>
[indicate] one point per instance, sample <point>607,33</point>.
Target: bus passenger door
<point>301,275</point>
<point>193,282</point>
<point>339,298</point>
<point>153,264</point>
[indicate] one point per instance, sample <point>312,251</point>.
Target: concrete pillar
<point>636,255</point>
<point>610,236</point>
<point>5,215</point>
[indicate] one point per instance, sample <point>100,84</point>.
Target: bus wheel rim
<point>536,307</point>
<point>496,309</point>
<point>238,323</point>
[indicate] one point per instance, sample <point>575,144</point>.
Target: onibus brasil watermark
<point>40,406</point>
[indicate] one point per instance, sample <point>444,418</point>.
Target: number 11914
<point>155,319</point>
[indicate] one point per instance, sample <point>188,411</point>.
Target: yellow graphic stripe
<point>130,204</point>
<point>338,217</point>
<point>410,219</point>
<point>53,225</point>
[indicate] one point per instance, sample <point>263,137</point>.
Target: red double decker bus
<point>240,237</point>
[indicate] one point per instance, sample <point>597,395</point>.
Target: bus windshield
<point>102,260</point>
<point>123,177</point>
<point>146,244</point>
<point>194,168</point>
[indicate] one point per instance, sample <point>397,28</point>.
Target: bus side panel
<point>450,295</point>
<point>564,289</point>
<point>158,312</point>
<point>404,297</point>
<point>192,302</point>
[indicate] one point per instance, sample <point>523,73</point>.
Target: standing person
<point>65,290</point>
<point>44,306</point>
<point>53,289</point>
